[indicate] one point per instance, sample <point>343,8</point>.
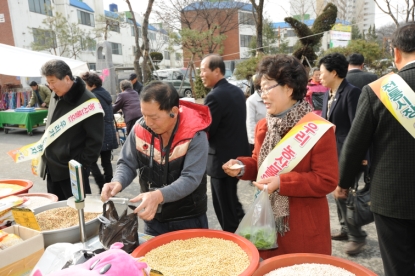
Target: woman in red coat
<point>298,197</point>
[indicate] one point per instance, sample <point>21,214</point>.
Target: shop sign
<point>335,35</point>
<point>342,28</point>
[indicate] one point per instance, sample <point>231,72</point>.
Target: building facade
<point>24,25</point>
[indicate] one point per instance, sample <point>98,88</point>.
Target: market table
<point>10,119</point>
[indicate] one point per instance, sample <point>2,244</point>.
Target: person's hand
<point>110,190</point>
<point>149,204</point>
<point>227,168</point>
<point>43,105</point>
<point>273,183</point>
<point>340,193</point>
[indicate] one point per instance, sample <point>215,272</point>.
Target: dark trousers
<point>130,124</point>
<point>397,245</point>
<point>155,228</point>
<point>227,207</point>
<point>100,178</point>
<point>62,189</point>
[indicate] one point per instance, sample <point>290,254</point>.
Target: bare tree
<point>407,11</point>
<point>137,52</point>
<point>258,15</point>
<point>112,23</point>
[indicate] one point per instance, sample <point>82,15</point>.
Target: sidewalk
<point>369,258</point>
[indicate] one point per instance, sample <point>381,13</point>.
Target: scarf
<point>277,128</point>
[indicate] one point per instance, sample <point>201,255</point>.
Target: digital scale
<point>77,186</point>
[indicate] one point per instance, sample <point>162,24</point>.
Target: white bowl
<point>71,234</point>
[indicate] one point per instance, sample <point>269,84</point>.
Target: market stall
<point>10,119</point>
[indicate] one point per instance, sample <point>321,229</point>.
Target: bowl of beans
<point>10,187</point>
<point>60,223</point>
<point>199,252</point>
<point>310,264</point>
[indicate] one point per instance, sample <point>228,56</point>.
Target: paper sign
<point>25,217</point>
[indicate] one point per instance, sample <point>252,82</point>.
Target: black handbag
<point>317,99</point>
<point>358,207</point>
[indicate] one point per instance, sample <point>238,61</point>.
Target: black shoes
<point>341,236</point>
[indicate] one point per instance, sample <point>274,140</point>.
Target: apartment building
<point>23,25</point>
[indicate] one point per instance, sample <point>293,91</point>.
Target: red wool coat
<point>306,186</point>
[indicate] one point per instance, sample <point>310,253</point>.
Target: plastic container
<point>26,184</point>
<point>49,198</point>
<point>301,258</point>
<point>71,234</point>
<point>246,245</point>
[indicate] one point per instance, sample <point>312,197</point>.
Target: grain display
<point>60,218</point>
<point>310,270</point>
<point>198,257</point>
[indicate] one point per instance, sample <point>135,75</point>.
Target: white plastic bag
<point>258,225</point>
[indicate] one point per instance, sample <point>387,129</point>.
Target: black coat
<point>392,172</point>
<point>82,142</point>
<point>360,78</point>
<point>110,139</point>
<point>342,111</point>
<point>129,102</point>
<point>228,138</point>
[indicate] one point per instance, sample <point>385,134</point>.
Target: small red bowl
<point>26,185</point>
<point>301,258</point>
<point>246,245</point>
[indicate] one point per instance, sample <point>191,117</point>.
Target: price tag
<point>25,217</point>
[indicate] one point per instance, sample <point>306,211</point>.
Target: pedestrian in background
<point>339,107</point>
<point>40,95</point>
<point>94,84</point>
<point>392,172</point>
<point>227,139</point>
<point>137,86</point>
<point>316,91</point>
<point>255,111</point>
<point>129,102</point>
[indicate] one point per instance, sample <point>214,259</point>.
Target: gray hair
<point>125,84</point>
<point>56,68</point>
<point>313,70</point>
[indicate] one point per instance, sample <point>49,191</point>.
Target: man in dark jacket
<point>81,142</point>
<point>392,173</point>
<point>228,139</point>
<point>129,102</point>
<point>94,84</point>
<point>137,86</point>
<point>168,146</point>
<point>355,74</point>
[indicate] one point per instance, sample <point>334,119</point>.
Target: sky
<point>274,9</point>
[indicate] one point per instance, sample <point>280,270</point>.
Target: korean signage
<point>336,35</point>
<point>342,28</point>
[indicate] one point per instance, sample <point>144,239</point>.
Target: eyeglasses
<point>265,91</point>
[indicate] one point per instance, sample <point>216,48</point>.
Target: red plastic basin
<point>301,258</point>
<point>246,245</point>
<point>26,184</point>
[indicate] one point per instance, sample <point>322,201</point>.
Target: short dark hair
<point>286,70</point>
<point>132,76</point>
<point>216,61</point>
<point>125,84</point>
<point>356,59</point>
<point>335,62</point>
<point>33,83</point>
<point>404,38</point>
<point>161,92</point>
<point>91,79</point>
<point>57,68</point>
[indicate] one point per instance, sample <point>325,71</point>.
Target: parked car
<point>241,83</point>
<point>177,77</point>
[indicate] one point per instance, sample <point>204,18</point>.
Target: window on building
<point>85,18</point>
<point>178,57</point>
<point>92,66</point>
<point>151,36</point>
<point>88,44</point>
<point>114,26</point>
<point>165,38</point>
<point>134,49</point>
<point>44,37</point>
<point>246,18</point>
<point>245,40</point>
<point>166,55</point>
<point>40,6</point>
<point>133,32</point>
<point>290,33</point>
<point>116,48</point>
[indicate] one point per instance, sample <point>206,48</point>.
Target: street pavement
<point>369,258</point>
